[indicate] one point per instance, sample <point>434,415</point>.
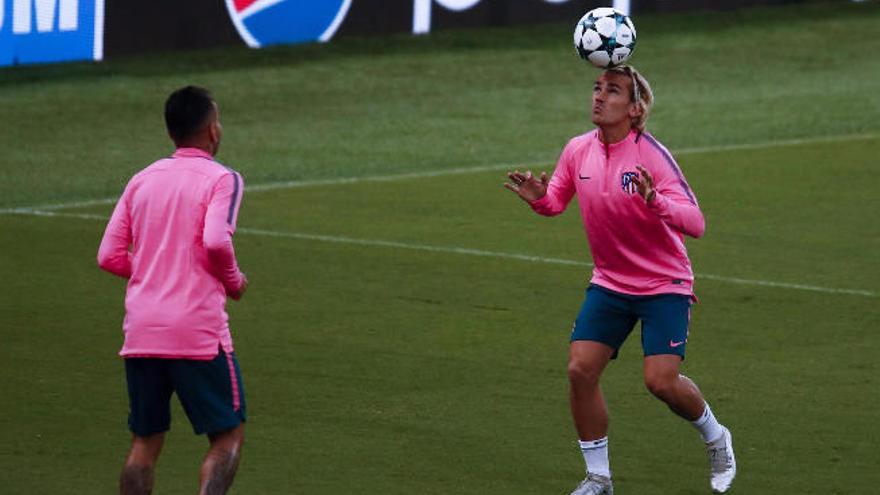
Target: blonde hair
<point>641,95</point>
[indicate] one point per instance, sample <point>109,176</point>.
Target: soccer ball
<point>605,37</point>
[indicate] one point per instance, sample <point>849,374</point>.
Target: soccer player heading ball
<point>636,207</point>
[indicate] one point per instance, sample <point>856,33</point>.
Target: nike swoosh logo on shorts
<point>676,344</point>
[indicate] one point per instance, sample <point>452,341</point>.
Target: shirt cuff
<point>659,204</point>
<point>541,203</point>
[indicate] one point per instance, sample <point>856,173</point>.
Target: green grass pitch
<point>395,339</point>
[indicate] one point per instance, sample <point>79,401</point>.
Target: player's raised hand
<point>526,185</point>
<point>645,184</point>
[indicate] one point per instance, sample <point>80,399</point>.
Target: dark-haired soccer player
<point>171,237</point>
<point>636,207</point>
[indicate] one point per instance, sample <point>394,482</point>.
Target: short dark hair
<point>186,112</point>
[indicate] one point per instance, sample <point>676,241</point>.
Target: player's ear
<point>214,128</point>
<point>214,131</point>
<point>635,110</point>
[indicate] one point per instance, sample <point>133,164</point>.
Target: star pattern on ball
<point>606,39</point>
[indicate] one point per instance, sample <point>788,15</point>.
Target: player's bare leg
<point>221,461</point>
<point>683,397</point>
<point>586,362</point>
<point>680,394</point>
<point>137,473</point>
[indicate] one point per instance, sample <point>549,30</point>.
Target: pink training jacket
<point>637,248</point>
<point>178,215</point>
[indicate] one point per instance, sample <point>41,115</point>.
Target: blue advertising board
<point>272,22</point>
<point>42,31</point>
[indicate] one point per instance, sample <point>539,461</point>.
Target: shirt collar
<point>191,153</point>
<point>631,137</point>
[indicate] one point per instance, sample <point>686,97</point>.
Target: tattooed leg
<point>137,474</point>
<point>221,462</point>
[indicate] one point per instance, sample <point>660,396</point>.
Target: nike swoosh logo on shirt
<point>583,177</point>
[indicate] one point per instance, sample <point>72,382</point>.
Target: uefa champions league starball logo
<point>273,22</point>
<point>605,37</point>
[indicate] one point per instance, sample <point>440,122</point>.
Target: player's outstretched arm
<point>527,186</point>
<point>671,203</point>
<point>546,196</point>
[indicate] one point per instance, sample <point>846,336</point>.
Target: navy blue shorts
<point>609,317</point>
<point>211,392</point>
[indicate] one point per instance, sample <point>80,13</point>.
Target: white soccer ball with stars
<point>605,37</point>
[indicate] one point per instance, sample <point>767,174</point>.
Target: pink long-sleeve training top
<point>171,236</point>
<point>638,247</point>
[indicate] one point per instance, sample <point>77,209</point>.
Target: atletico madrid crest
<point>628,182</point>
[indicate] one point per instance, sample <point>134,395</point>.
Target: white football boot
<point>722,463</point>
<point>594,484</point>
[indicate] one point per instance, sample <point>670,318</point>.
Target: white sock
<point>596,456</point>
<point>709,427</point>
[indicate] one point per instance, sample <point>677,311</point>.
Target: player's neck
<point>614,134</point>
<point>207,148</point>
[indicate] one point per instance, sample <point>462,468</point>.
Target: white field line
<point>59,214</point>
<point>414,247</point>
<point>294,184</point>
<point>469,252</point>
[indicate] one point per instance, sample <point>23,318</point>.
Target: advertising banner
<point>41,31</point>
<point>272,22</point>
